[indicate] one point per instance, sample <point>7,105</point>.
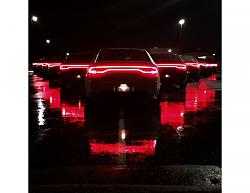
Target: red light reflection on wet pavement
<point>130,145</point>
<point>172,113</point>
<point>71,112</point>
<point>46,93</point>
<point>146,147</point>
<point>198,97</point>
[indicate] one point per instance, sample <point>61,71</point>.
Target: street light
<point>67,54</point>
<point>47,41</point>
<point>169,50</point>
<point>34,18</point>
<point>213,54</point>
<point>181,22</point>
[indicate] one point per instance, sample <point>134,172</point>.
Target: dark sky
<point>74,25</point>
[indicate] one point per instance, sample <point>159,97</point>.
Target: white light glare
<point>123,134</point>
<point>182,21</point>
<point>67,54</point>
<point>169,50</point>
<point>63,112</point>
<point>213,54</point>
<point>41,110</point>
<point>34,18</point>
<point>123,88</point>
<point>47,41</point>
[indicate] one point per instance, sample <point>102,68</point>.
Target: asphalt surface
<point>176,144</point>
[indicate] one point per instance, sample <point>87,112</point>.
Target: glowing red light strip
<point>53,64</point>
<point>179,66</point>
<point>65,67</point>
<point>44,64</point>
<point>38,64</point>
<point>92,70</point>
<point>209,65</point>
<point>193,64</point>
<point>215,65</point>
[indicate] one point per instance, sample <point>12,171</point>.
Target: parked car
<point>53,70</point>
<point>171,68</point>
<point>208,66</point>
<point>39,67</point>
<point>193,67</point>
<point>122,72</point>
<point>48,67</point>
<point>73,71</point>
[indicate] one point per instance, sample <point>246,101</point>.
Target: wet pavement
<point>175,143</point>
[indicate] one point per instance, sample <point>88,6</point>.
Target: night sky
<point>82,25</point>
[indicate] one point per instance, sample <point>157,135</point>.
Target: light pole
<point>33,34</point>
<point>181,22</point>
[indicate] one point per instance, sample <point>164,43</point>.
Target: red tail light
<point>104,69</point>
<point>213,65</point>
<point>196,65</point>
<point>209,65</point>
<point>179,66</point>
<point>66,67</point>
<point>50,65</point>
<point>182,67</point>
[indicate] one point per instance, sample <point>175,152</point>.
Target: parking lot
<point>180,136</point>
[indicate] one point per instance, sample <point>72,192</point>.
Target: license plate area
<point>123,88</point>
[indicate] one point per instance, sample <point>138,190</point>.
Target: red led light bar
<point>197,65</point>
<point>104,69</point>
<point>209,65</point>
<point>179,66</point>
<point>53,64</point>
<point>78,66</point>
<point>38,64</point>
